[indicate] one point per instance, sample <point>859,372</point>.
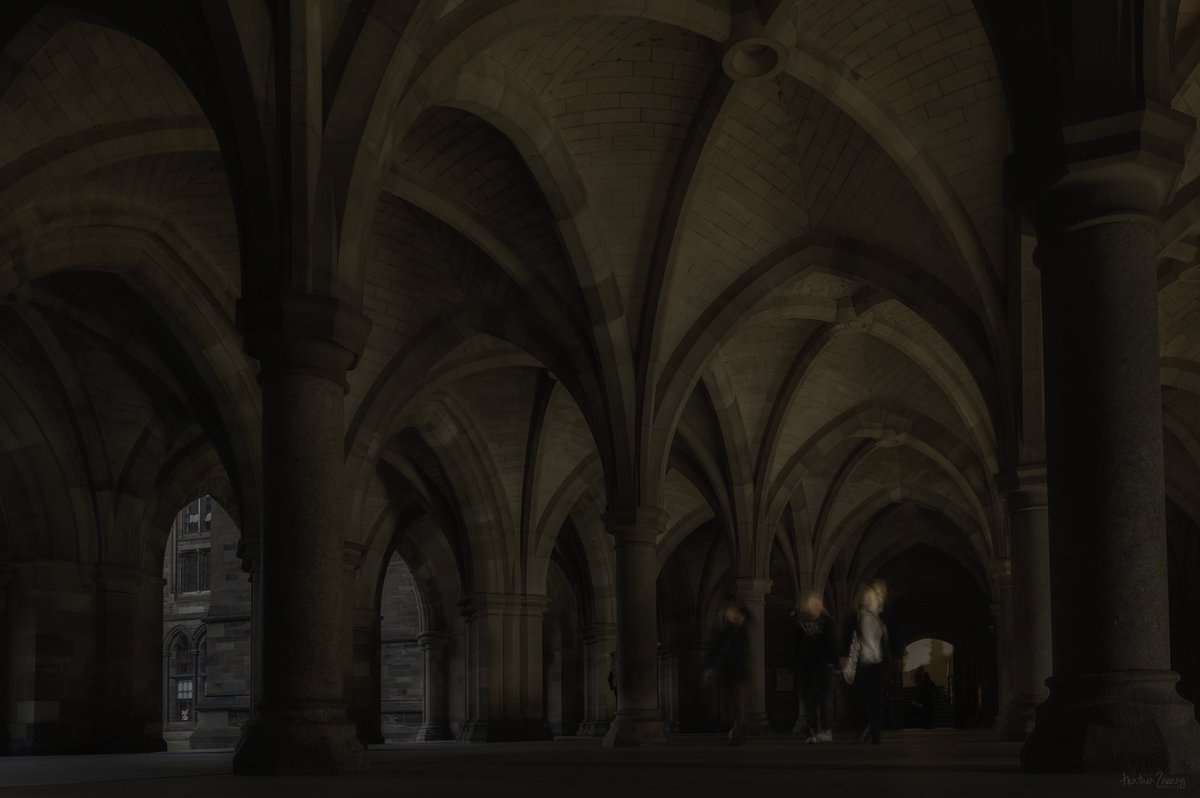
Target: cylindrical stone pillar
<point>528,618</point>
<point>635,538</point>
<point>5,632</point>
<point>1000,569</point>
<point>129,633</point>
<point>1031,655</point>
<point>1112,702</point>
<point>435,718</point>
<point>752,592</point>
<point>504,641</point>
<point>363,672</point>
<point>305,346</point>
<point>599,704</point>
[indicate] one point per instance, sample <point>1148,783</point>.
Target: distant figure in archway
<point>728,664</point>
<point>816,655</point>
<point>927,693</point>
<point>612,674</point>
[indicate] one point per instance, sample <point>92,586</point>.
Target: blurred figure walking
<point>867,663</point>
<point>816,656</point>
<point>728,665</point>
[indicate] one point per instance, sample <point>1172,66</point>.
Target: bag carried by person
<point>851,667</point>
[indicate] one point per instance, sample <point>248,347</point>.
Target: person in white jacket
<point>870,640</point>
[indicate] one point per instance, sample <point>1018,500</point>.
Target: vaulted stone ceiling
<point>794,303</point>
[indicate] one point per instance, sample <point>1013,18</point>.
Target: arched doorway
<point>933,595</point>
<point>928,684</point>
<point>401,658</point>
<point>206,630</point>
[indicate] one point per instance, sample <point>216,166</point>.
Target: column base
<point>593,728</point>
<point>1129,722</point>
<point>1016,720</point>
<point>210,739</point>
<point>36,739</point>
<point>429,732</point>
<point>128,737</point>
<point>635,729</point>
<point>368,724</point>
<point>756,724</point>
<point>284,744</point>
<point>218,723</point>
<point>504,731</point>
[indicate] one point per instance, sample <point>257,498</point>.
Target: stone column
<point>1031,656</point>
<point>127,718</point>
<point>364,678</point>
<point>435,718</point>
<point>752,591</point>
<point>1002,642</point>
<point>5,632</point>
<point>51,640</point>
<point>683,696</point>
<point>305,345</point>
<point>635,537</point>
<point>599,705</point>
<point>504,638</point>
<point>1112,703</point>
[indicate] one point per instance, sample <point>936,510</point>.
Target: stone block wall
<point>402,664</point>
<point>51,638</point>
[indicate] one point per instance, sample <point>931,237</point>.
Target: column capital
<point>1000,569</point>
<point>352,554</point>
<point>365,618</point>
<point>306,333</point>
<point>433,641</point>
<point>1023,486</point>
<point>486,604</point>
<point>626,519</point>
<point>249,552</point>
<point>636,526</point>
<point>1115,168</point>
<point>752,588</point>
<point>113,578</point>
<point>595,632</point>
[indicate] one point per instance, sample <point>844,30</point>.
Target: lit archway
<point>206,630</point>
<point>928,690</point>
<point>401,658</point>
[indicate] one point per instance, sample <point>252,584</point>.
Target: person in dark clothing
<point>728,665</point>
<point>927,693</point>
<point>816,654</point>
<point>612,674</point>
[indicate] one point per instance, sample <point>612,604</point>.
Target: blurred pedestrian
<point>816,656</point>
<point>866,662</point>
<point>728,666</point>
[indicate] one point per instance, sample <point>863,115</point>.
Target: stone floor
<point>914,763</point>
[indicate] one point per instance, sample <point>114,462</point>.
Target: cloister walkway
<point>910,763</point>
